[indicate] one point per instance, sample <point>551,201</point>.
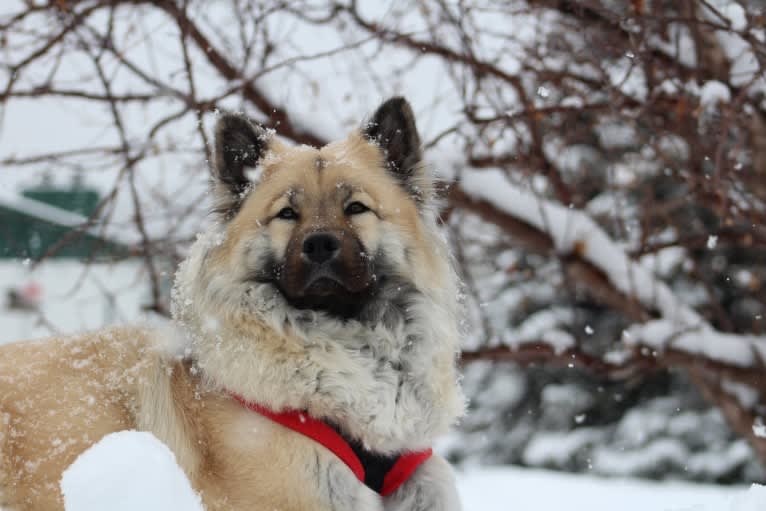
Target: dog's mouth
<point>323,290</point>
<point>325,287</point>
<point>324,281</point>
<point>330,295</point>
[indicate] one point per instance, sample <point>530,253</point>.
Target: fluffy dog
<point>323,286</point>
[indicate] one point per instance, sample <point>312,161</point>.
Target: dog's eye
<point>287,214</point>
<point>356,208</point>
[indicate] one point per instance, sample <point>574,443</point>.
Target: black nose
<point>321,247</point>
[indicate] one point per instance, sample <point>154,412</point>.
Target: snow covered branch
<point>678,337</point>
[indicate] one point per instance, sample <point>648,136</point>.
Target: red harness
<point>384,474</point>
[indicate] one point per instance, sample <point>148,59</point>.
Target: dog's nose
<point>321,247</point>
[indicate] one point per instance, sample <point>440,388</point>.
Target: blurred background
<point>603,170</point>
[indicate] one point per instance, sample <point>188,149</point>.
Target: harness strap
<point>383,474</point>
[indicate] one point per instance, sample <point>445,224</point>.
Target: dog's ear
<point>239,145</point>
<point>392,127</point>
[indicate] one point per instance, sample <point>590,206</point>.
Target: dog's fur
<point>366,340</point>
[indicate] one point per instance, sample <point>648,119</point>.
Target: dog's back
<point>58,397</point>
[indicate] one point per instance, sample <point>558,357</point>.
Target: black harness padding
<point>376,466</point>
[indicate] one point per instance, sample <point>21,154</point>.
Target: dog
<point>312,355</point>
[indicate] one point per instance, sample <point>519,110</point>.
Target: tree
<point>606,159</point>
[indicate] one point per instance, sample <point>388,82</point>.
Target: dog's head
<point>329,228</point>
<point>323,272</point>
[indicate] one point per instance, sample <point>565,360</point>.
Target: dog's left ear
<point>392,127</point>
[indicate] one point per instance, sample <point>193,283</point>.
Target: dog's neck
<point>391,387</point>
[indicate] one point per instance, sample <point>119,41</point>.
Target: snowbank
<point>127,471</point>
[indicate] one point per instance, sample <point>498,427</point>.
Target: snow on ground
<point>133,470</point>
<point>517,489</point>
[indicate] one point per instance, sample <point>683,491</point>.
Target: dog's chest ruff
<point>383,474</point>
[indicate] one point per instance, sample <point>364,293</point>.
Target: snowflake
<point>759,428</point>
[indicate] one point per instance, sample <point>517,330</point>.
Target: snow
<point>556,448</point>
<point>746,395</point>
<point>679,326</point>
<point>679,44</point>
<point>736,16</point>
<point>740,350</point>
<point>505,489</point>
<point>664,451</point>
<point>665,261</point>
<point>543,326</point>
<point>753,500</point>
<point>131,470</point>
<point>73,297</point>
<point>745,67</point>
<point>628,78</point>
<point>759,428</point>
<point>573,230</point>
<point>127,471</point>
<point>714,92</point>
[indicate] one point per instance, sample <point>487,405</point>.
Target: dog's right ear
<point>239,145</point>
